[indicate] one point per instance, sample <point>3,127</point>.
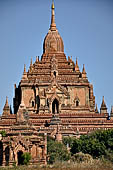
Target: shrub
<point>3,133</point>
<point>26,157</point>
<point>81,157</point>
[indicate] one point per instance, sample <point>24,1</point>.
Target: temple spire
<point>6,103</point>
<point>24,76</point>
<point>96,109</point>
<point>103,108</point>
<point>24,68</point>
<point>84,72</point>
<point>103,102</point>
<point>31,62</point>
<point>53,24</point>
<point>6,109</point>
<point>76,66</point>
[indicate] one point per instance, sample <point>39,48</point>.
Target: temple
<point>53,98</point>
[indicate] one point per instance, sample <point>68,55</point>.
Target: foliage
<point>14,164</point>
<point>57,151</point>
<point>26,157</point>
<point>96,144</point>
<point>68,141</point>
<point>81,157</point>
<point>3,133</point>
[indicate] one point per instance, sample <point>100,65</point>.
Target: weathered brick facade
<point>55,98</point>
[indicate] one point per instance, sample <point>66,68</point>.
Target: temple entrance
<point>1,153</point>
<point>55,106</point>
<point>7,155</point>
<point>38,102</point>
<point>77,103</point>
<point>20,158</point>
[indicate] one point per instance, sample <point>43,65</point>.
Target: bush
<point>81,157</point>
<point>3,133</point>
<point>26,157</point>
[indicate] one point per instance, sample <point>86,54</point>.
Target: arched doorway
<point>7,153</point>
<point>1,153</point>
<point>77,103</point>
<point>55,106</point>
<point>20,158</point>
<point>38,102</point>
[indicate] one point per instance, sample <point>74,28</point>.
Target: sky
<point>86,27</point>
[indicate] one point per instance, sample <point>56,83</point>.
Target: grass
<point>95,165</point>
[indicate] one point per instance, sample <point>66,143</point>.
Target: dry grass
<point>95,165</point>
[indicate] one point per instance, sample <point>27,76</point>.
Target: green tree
<point>95,144</point>
<point>57,151</point>
<point>68,141</point>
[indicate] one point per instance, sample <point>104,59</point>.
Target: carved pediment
<point>56,88</point>
<point>54,96</point>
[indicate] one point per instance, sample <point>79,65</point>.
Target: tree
<point>57,151</point>
<point>68,141</point>
<point>96,144</point>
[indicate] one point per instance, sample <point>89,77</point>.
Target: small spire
<point>103,108</point>
<point>36,59</point>
<point>103,103</point>
<point>76,66</point>
<point>76,61</point>
<point>14,86</point>
<point>24,68</point>
<point>24,76</point>
<point>83,71</point>
<point>6,109</point>
<point>96,109</point>
<point>31,65</point>
<point>53,7</point>
<point>53,24</point>
<point>31,62</point>
<point>6,103</point>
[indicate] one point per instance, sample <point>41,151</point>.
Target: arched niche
<point>20,158</point>
<point>31,102</point>
<point>7,155</point>
<point>38,102</point>
<point>55,106</point>
<point>77,103</point>
<point>1,153</point>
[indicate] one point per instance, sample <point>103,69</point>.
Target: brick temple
<point>53,98</point>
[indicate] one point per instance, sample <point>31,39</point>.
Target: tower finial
<point>24,68</point>
<point>53,7</point>
<point>6,109</point>
<point>76,66</point>
<point>31,62</point>
<point>103,102</point>
<point>6,104</point>
<point>53,24</point>
<point>83,71</point>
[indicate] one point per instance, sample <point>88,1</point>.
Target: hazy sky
<point>86,27</point>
